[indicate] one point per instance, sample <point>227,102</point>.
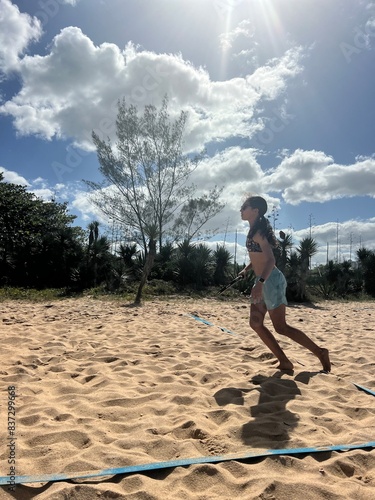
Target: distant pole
<point>337,241</point>
<point>226,231</point>
<point>310,223</point>
<point>275,217</point>
<point>291,236</point>
<point>235,250</point>
<point>310,226</point>
<point>350,245</point>
<point>113,245</point>
<point>327,251</point>
<point>117,236</point>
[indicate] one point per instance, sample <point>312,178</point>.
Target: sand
<point>102,385</point>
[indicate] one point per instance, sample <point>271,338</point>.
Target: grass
<point>30,294</point>
<point>151,290</point>
<point>52,294</point>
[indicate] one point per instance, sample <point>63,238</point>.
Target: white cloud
<point>302,176</point>
<point>270,80</point>
<point>243,29</point>
<point>39,180</point>
<point>82,204</point>
<point>13,177</point>
<point>340,241</point>
<point>45,194</point>
<point>42,189</point>
<point>75,88</point>
<point>314,176</point>
<point>240,174</point>
<point>352,235</point>
<point>335,232</point>
<point>230,167</point>
<point>17,31</point>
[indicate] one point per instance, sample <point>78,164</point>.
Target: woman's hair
<point>262,224</point>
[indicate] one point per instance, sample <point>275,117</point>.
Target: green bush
<point>159,287</point>
<point>31,294</point>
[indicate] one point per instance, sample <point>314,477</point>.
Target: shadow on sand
<point>271,422</point>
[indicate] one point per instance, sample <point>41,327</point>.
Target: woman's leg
<point>278,320</point>
<point>257,314</point>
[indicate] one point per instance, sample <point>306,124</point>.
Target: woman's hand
<point>257,293</point>
<point>242,273</point>
<point>245,270</point>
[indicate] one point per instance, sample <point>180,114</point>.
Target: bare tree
<point>145,176</point>
<point>196,213</point>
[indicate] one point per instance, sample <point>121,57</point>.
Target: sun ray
<point>225,48</point>
<point>270,21</point>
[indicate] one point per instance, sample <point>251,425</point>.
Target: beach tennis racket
<point>239,278</point>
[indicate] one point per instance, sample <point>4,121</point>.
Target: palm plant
<point>320,284</point>
<point>202,265</point>
<point>194,264</point>
<point>294,276</point>
<point>307,248</point>
<point>222,258</point>
<point>285,244</point>
<point>130,258</point>
<point>184,262</point>
<point>164,267</point>
<point>100,257</point>
<point>299,266</point>
<point>367,264</point>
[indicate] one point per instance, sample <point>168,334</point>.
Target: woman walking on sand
<point>268,292</point>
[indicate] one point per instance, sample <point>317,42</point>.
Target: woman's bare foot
<point>323,356</point>
<point>285,366</point>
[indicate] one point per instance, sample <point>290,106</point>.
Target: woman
<point>268,292</point>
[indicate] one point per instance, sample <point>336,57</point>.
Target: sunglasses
<point>245,206</point>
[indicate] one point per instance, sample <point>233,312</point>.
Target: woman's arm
<point>246,269</point>
<point>266,262</point>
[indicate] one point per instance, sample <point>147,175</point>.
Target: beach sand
<point>103,385</point>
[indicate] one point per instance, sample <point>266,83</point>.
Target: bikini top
<point>251,245</point>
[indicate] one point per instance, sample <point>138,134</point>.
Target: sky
<point>280,93</point>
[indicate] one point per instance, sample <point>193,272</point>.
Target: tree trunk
<point>146,270</point>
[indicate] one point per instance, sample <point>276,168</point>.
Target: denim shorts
<point>274,290</point>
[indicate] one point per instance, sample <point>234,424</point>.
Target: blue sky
<point>279,92</point>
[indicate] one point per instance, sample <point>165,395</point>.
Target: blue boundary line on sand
<point>369,391</point>
<point>46,478</point>
<point>222,328</point>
